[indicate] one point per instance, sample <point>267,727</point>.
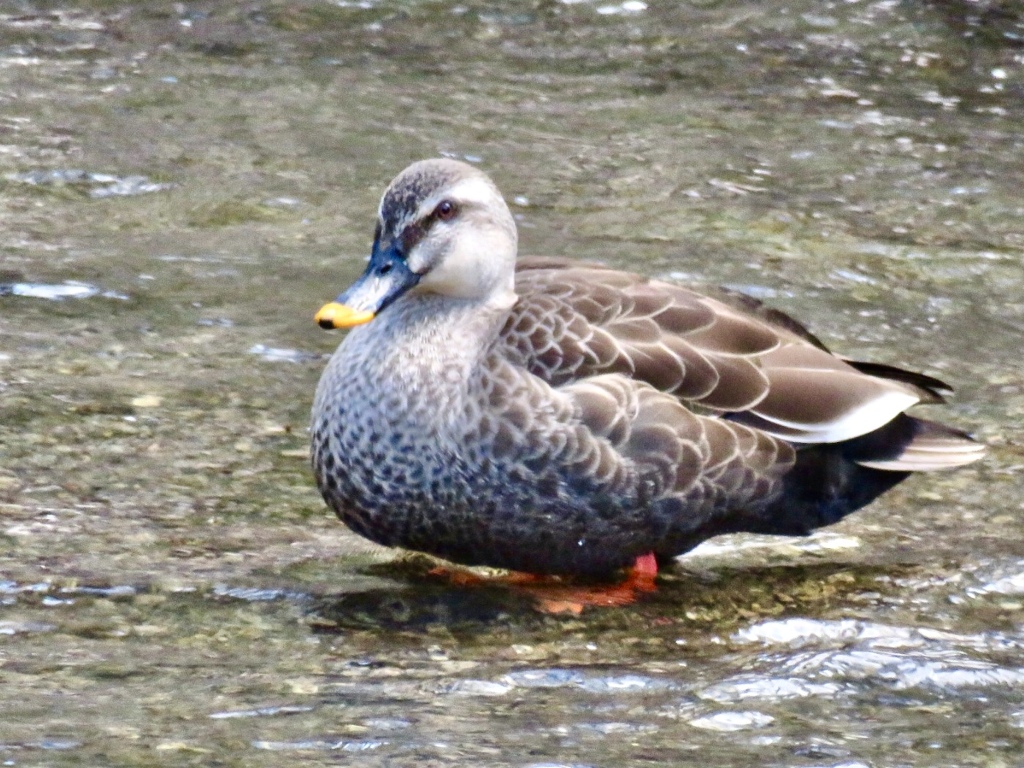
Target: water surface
<point>182,186</point>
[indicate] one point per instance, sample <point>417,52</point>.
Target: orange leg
<point>645,567</point>
<point>554,594</point>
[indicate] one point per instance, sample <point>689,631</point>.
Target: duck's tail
<point>910,444</point>
<point>829,481</point>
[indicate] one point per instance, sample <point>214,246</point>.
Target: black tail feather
<point>934,390</point>
<point>823,487</point>
<point>827,483</point>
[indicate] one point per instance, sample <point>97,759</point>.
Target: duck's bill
<point>386,278</point>
<point>335,315</point>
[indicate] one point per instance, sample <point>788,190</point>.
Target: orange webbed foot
<point>556,594</point>
<point>569,598</point>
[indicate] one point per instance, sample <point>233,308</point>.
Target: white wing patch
<point>834,422</point>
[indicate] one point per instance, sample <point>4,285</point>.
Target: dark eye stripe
<point>446,210</point>
<point>413,233</point>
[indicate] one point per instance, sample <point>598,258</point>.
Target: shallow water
<point>182,186</point>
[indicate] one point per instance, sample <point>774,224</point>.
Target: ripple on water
<point>14,588</point>
<point>255,594</point>
<point>58,744</point>
<point>1009,581</point>
<point>100,185</point>
<point>288,709</point>
<point>280,355</point>
<point>630,6</point>
<point>387,723</point>
<point>318,745</point>
<point>69,289</point>
<point>800,632</point>
<point>24,627</point>
<point>545,678</point>
<point>614,685</point>
<point>901,657</point>
<point>568,678</point>
<point>626,684</point>
<point>936,669</point>
<point>615,728</point>
<point>819,542</point>
<point>479,688</point>
<point>732,721</point>
<point>760,687</point>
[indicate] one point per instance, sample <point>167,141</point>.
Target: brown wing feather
<point>728,355</point>
<point>678,452</point>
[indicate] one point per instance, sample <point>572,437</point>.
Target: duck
<point>556,417</point>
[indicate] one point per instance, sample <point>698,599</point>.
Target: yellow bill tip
<point>335,315</point>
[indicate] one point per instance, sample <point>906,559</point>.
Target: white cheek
<point>457,275</point>
<point>417,260</point>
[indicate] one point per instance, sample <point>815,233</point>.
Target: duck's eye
<point>446,210</point>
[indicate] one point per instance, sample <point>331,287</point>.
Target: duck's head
<point>443,228</point>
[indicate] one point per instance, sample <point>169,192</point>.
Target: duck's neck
<point>422,350</point>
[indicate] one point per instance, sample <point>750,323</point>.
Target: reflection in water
<point>419,608</point>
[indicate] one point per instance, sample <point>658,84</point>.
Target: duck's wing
<point>727,356</point>
<point>681,453</point>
